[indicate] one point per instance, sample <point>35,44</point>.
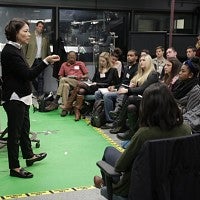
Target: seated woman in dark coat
<point>159,117</point>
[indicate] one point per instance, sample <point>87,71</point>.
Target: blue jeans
<point>111,155</point>
<point>109,102</point>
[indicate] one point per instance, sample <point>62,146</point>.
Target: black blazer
<point>111,78</point>
<point>16,74</point>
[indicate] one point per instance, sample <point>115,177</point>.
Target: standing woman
<point>17,97</point>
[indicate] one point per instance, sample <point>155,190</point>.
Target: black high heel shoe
<point>38,157</point>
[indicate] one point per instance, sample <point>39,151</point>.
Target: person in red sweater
<point>70,74</point>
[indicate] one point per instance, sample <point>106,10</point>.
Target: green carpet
<point>72,147</point>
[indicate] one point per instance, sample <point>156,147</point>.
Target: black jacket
<point>152,78</point>
<point>111,78</point>
<point>129,73</point>
<point>16,74</point>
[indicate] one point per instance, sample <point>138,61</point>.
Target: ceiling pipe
<point>171,23</point>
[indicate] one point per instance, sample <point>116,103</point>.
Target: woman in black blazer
<point>17,95</point>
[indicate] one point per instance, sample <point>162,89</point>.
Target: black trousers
<point>18,132</point>
<point>132,99</point>
<point>38,82</point>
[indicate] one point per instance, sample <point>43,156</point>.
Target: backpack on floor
<point>41,103</point>
<point>98,114</point>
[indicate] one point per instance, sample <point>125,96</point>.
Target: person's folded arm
<point>152,78</point>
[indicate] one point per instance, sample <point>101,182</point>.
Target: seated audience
<point>105,75</point>
<point>171,70</point>
<point>146,75</point>
<point>70,74</point>
<point>187,102</point>
<point>159,118</point>
<point>111,98</point>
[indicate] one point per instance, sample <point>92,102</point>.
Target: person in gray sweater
<point>187,90</point>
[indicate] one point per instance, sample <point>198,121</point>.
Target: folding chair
<point>3,138</point>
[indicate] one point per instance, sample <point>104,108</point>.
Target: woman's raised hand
<point>52,59</point>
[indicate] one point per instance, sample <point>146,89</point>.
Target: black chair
<point>165,169</point>
<point>3,138</point>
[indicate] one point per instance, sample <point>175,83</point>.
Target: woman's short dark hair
<point>13,27</point>
<point>159,108</point>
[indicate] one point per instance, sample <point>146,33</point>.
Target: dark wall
<point>112,4</point>
<point>150,40</point>
<point>131,5</point>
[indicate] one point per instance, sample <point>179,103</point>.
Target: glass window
<point>91,31</point>
<point>32,14</point>
<point>183,23</point>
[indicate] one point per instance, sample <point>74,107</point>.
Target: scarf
<point>181,88</point>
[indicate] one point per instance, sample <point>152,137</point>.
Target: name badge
<point>76,67</point>
<point>102,75</point>
<point>127,75</point>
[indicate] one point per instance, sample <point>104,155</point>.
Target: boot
<point>118,106</point>
<point>127,135</point>
<point>52,106</point>
<point>68,106</point>
<point>120,121</point>
<point>78,106</point>
<point>65,95</point>
<point>133,127</point>
<point>114,113</point>
<point>133,123</point>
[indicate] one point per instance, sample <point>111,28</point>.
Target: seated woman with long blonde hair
<point>145,76</point>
